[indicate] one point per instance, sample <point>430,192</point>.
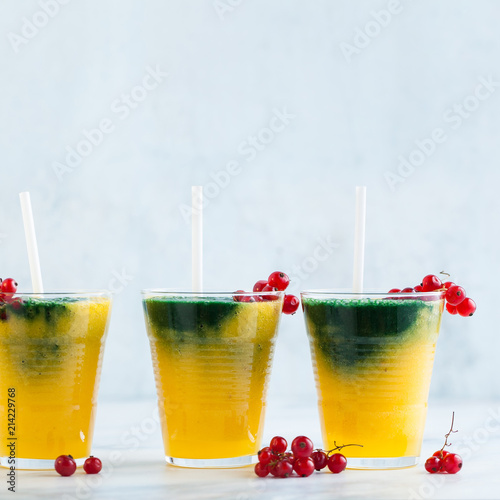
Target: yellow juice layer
<point>379,402</point>
<point>53,361</point>
<point>211,386</point>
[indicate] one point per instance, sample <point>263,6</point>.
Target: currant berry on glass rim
<point>443,461</point>
<point>278,281</point>
<point>455,296</point>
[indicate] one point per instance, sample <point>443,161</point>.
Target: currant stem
<point>339,447</point>
<point>446,436</point>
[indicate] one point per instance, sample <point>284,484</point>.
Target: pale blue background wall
<point>358,104</point>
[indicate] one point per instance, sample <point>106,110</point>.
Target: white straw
<point>359,240</point>
<point>29,231</point>
<point>197,237</point>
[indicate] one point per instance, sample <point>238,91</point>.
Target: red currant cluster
<point>443,461</point>
<point>65,465</point>
<point>277,281</point>
<point>275,460</point>
<point>457,301</point>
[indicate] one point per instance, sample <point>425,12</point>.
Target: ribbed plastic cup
<point>373,355</point>
<point>212,355</point>
<point>51,349</point>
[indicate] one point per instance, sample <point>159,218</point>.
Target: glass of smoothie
<point>51,350</point>
<point>212,355</point>
<point>372,357</point>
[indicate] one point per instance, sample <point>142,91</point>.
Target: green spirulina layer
<point>188,317</point>
<point>32,308</point>
<point>349,332</point>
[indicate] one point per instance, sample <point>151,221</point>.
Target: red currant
<point>320,459</point>
<point>304,467</point>
<point>452,463</point>
<point>302,447</point>
<point>290,304</point>
<point>394,290</point>
<point>433,464</point>
<point>284,468</point>
<point>278,444</point>
<point>337,463</point>
<point>269,296</point>
<point>261,470</point>
<point>65,465</point>
<point>440,454</point>
<point>431,283</point>
<point>467,307</point>
<point>448,284</point>
<point>279,280</point>
<point>92,465</point>
<point>8,285</point>
<point>266,455</point>
<point>408,289</point>
<point>455,295</point>
<point>451,309</point>
<point>238,298</point>
<point>418,288</point>
<point>259,285</point>
<point>273,468</point>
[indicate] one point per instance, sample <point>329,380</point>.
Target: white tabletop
<point>128,441</point>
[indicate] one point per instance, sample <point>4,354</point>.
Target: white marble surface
<point>129,443</point>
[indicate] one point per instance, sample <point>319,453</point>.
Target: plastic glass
<point>212,358</point>
<point>51,349</point>
<point>373,355</point>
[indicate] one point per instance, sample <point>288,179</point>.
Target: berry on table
<point>442,460</point>
<point>92,465</point>
<point>284,468</point>
<point>433,464</point>
<point>290,304</point>
<point>304,467</point>
<point>266,455</point>
<point>337,462</point>
<point>278,444</point>
<point>279,280</point>
<point>452,463</point>
<point>394,290</point>
<point>408,289</point>
<point>261,470</point>
<point>320,459</point>
<point>65,465</point>
<point>302,447</point>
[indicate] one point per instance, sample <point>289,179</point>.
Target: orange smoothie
<point>212,360</point>
<point>51,351</point>
<point>373,360</point>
